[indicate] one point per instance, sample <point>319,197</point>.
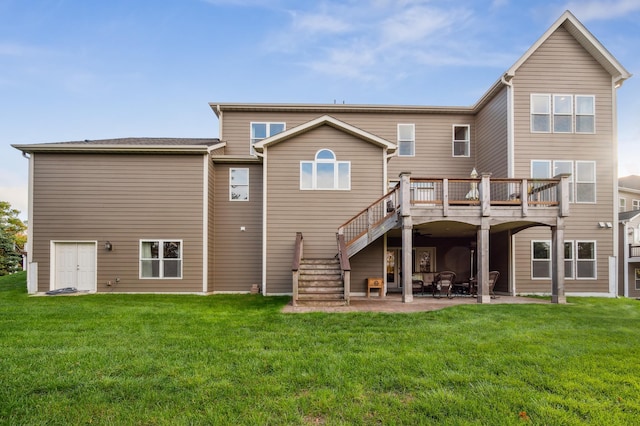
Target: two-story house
<point>629,236</point>
<point>517,183</point>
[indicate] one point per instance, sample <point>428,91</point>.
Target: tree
<point>12,239</point>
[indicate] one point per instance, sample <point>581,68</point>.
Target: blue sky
<point>78,69</point>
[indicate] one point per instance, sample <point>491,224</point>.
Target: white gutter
<point>510,127</point>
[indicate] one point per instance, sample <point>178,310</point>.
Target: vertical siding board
<point>121,199</point>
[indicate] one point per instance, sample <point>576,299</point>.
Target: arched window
<point>325,172</point>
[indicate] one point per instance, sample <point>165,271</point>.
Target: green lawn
<point>154,359</point>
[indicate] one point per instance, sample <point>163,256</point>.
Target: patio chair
<point>493,277</point>
<point>444,281</point>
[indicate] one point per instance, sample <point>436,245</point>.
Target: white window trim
<point>231,186</point>
<point>622,204</point>
<point>467,141</point>
<point>549,168</point>
<point>594,260</point>
<point>637,281</point>
<point>573,261</point>
<point>531,113</point>
<point>554,113</point>
<point>570,180</point>
<point>314,172</point>
<point>550,260</point>
<point>253,140</point>
<point>635,204</point>
<point>594,182</point>
<point>413,141</point>
<point>161,269</point>
<point>590,115</point>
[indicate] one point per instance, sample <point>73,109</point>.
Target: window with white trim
<point>264,130</point>
<point>586,259</point>
<point>568,260</point>
<point>540,259</point>
<point>562,113</point>
<point>635,204</point>
<point>239,184</point>
<point>585,114</point>
<point>540,113</point>
<point>622,204</point>
<point>585,181</point>
<point>406,140</point>
<point>565,166</point>
<point>582,179</point>
<point>325,172</point>
<point>461,140</point>
<point>637,275</point>
<point>161,259</point>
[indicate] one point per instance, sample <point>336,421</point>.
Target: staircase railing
<point>295,267</point>
<point>380,210</point>
<point>345,266</point>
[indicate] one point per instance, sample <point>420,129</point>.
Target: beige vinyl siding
<point>434,136</point>
<point>369,263</point>
<point>121,199</point>
<point>237,254</point>
<point>491,137</point>
<point>317,214</point>
<point>562,66</point>
<point>212,263</point>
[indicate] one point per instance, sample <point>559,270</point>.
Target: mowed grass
<point>237,360</point>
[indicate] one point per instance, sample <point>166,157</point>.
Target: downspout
<point>616,239</point>
<point>510,171</point>
<point>625,263</point>
<point>32,285</point>
<point>264,220</point>
<point>510,126</point>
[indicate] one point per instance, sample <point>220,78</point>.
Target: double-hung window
<point>585,114</point>
<point>264,130</point>
<point>160,259</point>
<point>585,181</point>
<point>637,275</point>
<point>540,113</point>
<point>586,259</point>
<point>622,204</point>
<point>568,259</point>
<point>635,204</point>
<point>406,140</point>
<point>565,167</point>
<point>562,113</point>
<point>461,140</point>
<point>325,172</point>
<point>540,259</point>
<point>239,184</point>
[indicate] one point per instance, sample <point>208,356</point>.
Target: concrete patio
<point>392,303</point>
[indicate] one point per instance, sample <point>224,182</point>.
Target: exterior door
<point>75,266</point>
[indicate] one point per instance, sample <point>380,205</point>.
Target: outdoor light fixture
<point>601,225</point>
<point>609,225</point>
<point>108,246</point>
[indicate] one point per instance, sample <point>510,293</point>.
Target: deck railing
<point>634,251</point>
<point>468,192</point>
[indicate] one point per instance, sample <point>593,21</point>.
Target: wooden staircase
<point>320,283</point>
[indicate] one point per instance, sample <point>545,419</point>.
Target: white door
<point>75,266</point>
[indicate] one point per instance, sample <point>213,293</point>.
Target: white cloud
<point>318,23</point>
<point>599,9</point>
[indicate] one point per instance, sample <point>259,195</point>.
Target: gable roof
<point>586,40</point>
<point>629,182</point>
<point>151,145</point>
<point>321,121</point>
<point>628,216</point>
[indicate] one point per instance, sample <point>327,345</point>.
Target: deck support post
<point>557,263</point>
<point>483,262</point>
<point>407,235</point>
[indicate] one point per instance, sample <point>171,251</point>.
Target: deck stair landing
<point>320,283</point>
